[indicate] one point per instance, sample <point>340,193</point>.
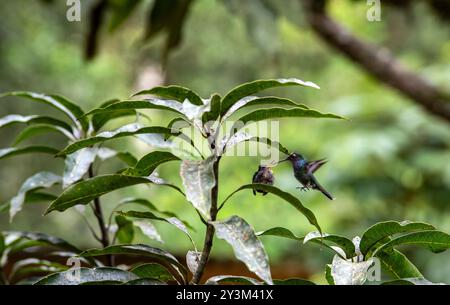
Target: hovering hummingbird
<point>304,170</point>
<point>264,175</point>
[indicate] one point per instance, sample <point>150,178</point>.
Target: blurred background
<point>390,161</point>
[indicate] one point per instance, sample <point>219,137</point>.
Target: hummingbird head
<point>293,157</point>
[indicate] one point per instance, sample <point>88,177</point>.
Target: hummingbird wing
<point>312,166</point>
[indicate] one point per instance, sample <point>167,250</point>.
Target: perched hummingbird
<point>304,170</point>
<point>264,175</point>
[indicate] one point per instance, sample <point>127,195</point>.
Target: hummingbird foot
<point>303,188</point>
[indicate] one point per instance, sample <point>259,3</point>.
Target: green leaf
<point>33,119</point>
<point>177,93</point>
<point>149,215</point>
<point>232,279</point>
<point>276,113</point>
<point>240,137</point>
<point>85,191</point>
<point>410,281</point>
<point>14,151</point>
<point>436,241</point>
<point>127,158</point>
<point>127,106</point>
<point>214,112</point>
<point>69,108</point>
<point>127,130</point>
<point>100,119</point>
<point>138,249</point>
<point>382,230</point>
<point>344,243</point>
<point>29,266</point>
<point>86,275</point>
<point>246,245</point>
<point>198,180</point>
<point>293,281</point>
<point>146,203</point>
<point>153,271</point>
<point>30,197</point>
<point>250,88</point>
<point>147,164</point>
<point>43,239</point>
<point>78,164</point>
<point>125,230</point>
<point>37,181</point>
<point>256,101</point>
<point>35,130</point>
<point>328,275</point>
<point>145,282</point>
<point>397,264</point>
<point>283,195</point>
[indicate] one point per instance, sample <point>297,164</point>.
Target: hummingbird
<point>304,170</point>
<point>264,175</point>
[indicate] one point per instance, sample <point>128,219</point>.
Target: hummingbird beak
<point>283,160</point>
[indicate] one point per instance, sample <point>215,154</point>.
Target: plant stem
<point>104,237</point>
<point>209,235</point>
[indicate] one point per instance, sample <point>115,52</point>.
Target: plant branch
<point>209,235</point>
<point>378,62</point>
<point>104,236</point>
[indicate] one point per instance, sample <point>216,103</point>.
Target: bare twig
<point>376,61</point>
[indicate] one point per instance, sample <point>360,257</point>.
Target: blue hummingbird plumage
<point>304,172</point>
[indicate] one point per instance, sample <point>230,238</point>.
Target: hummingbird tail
<point>323,191</point>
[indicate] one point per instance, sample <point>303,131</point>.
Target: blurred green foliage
<point>390,161</point>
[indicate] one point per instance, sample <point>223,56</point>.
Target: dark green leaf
<point>256,101</point>
<point>153,271</point>
<point>33,119</point>
<point>69,108</point>
<point>177,93</point>
<point>124,106</point>
<point>280,232</point>
<point>214,112</point>
<point>14,151</point>
<point>275,113</point>
<point>253,87</point>
<point>138,249</point>
<point>100,119</point>
<point>344,243</point>
<point>436,241</point>
<point>382,230</point>
<point>328,275</point>
<point>149,215</point>
<point>293,281</point>
<point>145,281</point>
<point>147,164</point>
<point>397,264</point>
<point>36,130</point>
<point>410,281</point>
<point>42,238</point>
<point>97,275</point>
<point>85,191</point>
<point>284,195</point>
<point>127,130</point>
<point>125,230</point>
<point>232,279</point>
